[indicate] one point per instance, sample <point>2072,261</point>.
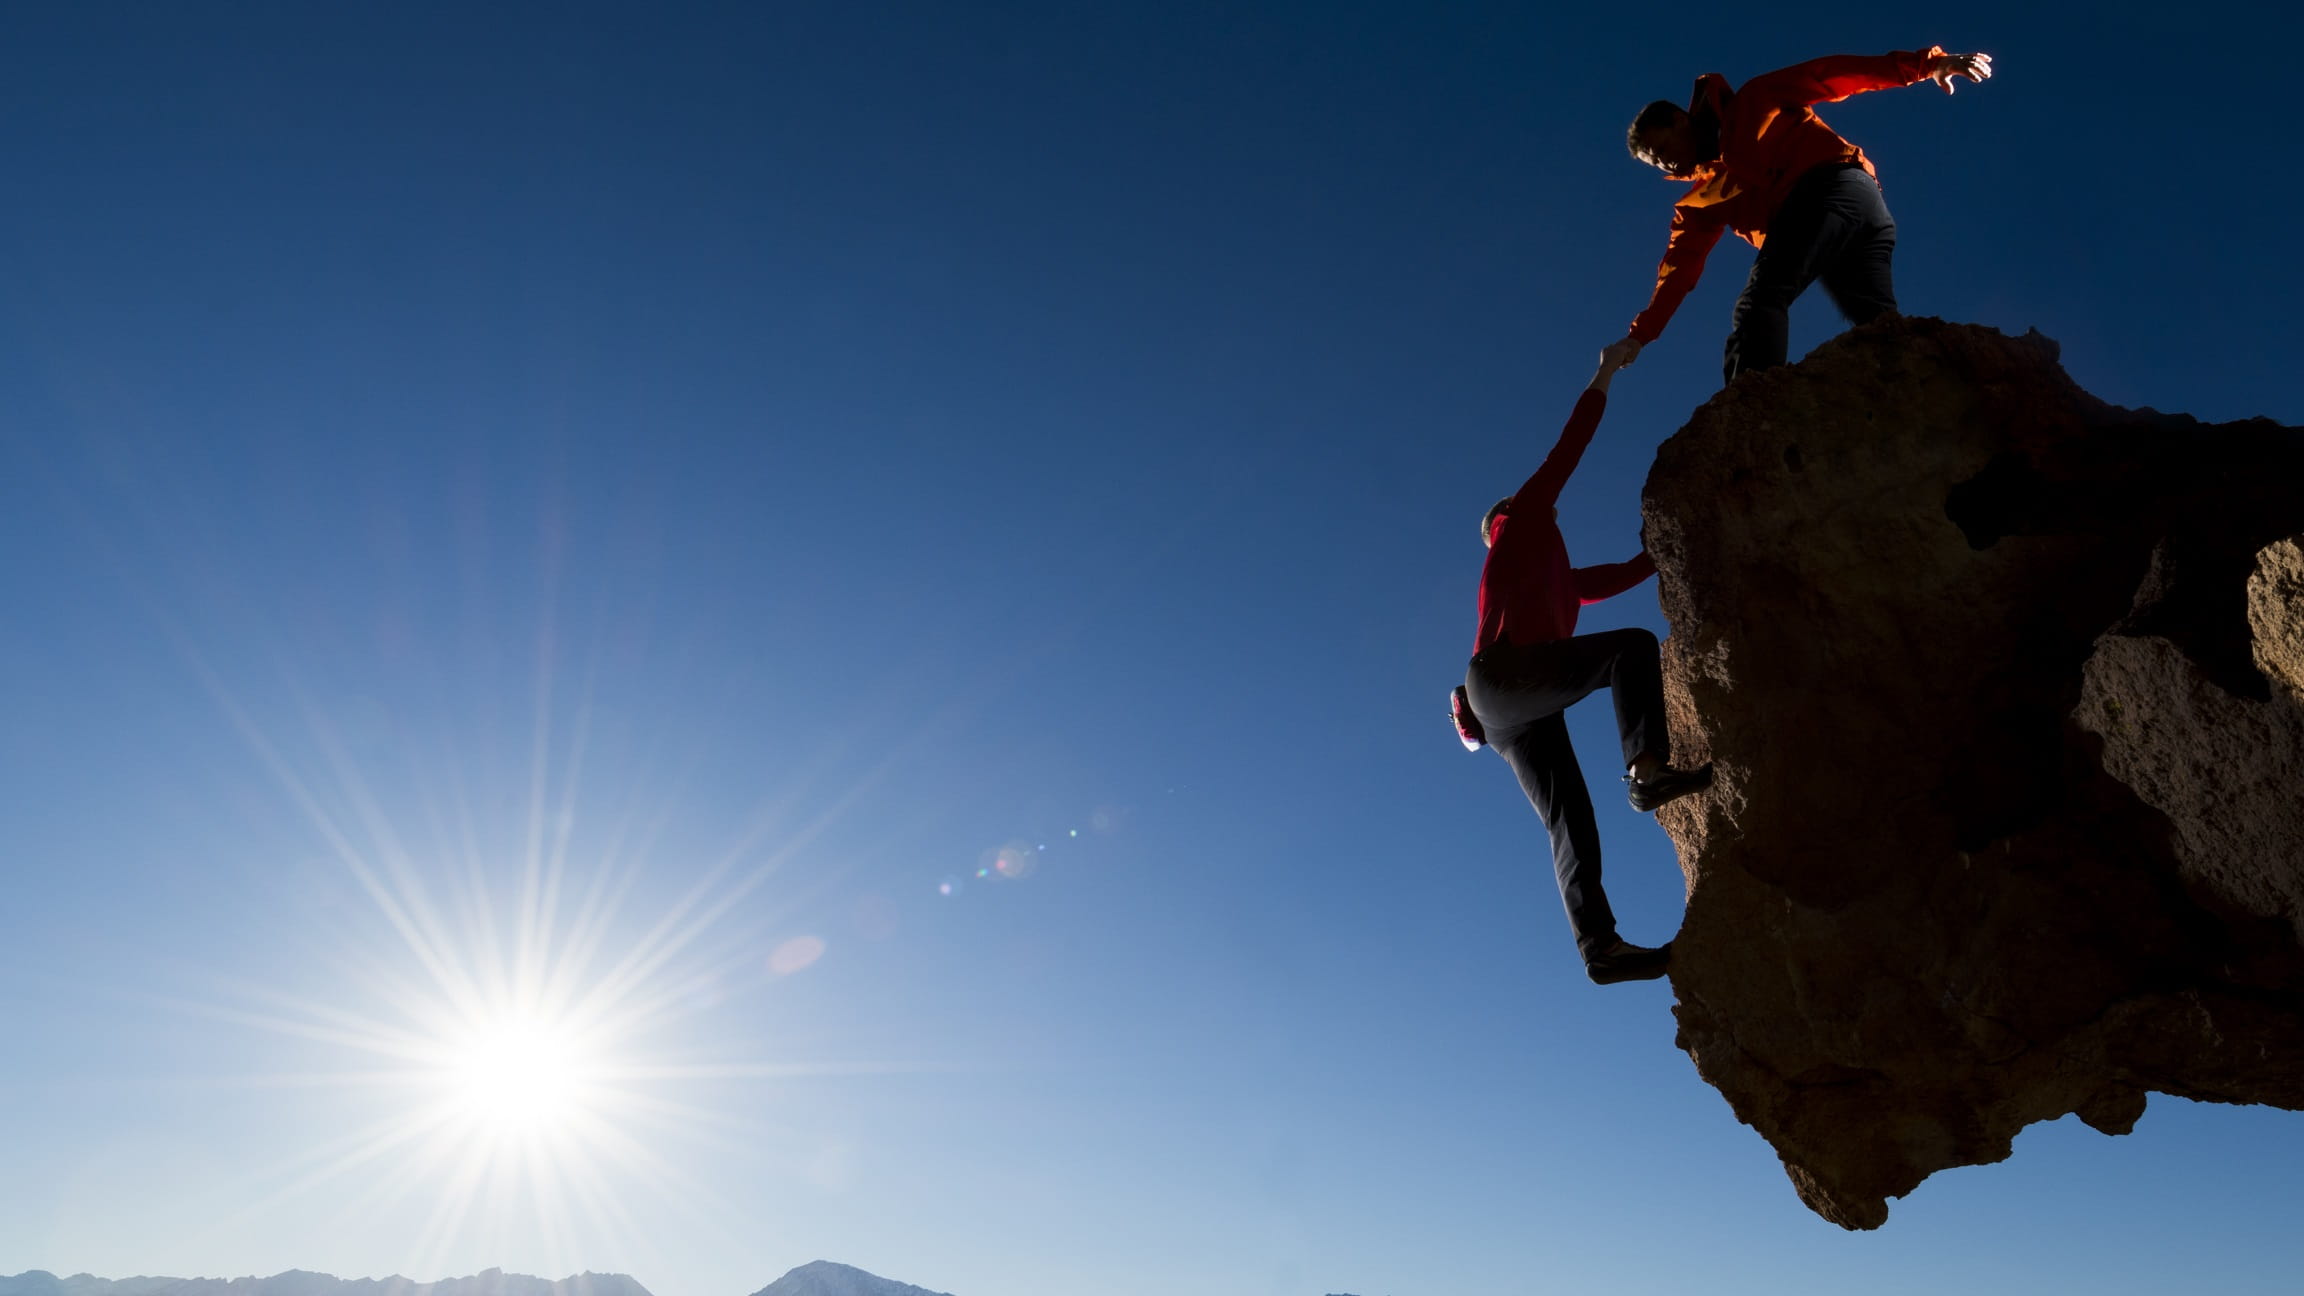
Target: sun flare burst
<point>526,1073</point>
<point>522,1014</point>
<point>522,1074</point>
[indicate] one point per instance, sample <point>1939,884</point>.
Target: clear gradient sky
<point>676,491</point>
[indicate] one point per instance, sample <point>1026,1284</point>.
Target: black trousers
<point>1833,226</point>
<point>1520,693</point>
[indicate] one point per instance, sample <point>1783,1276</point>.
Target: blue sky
<point>757,464</point>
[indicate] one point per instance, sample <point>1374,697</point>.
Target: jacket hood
<point>1711,93</point>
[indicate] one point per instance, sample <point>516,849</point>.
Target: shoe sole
<point>1646,969</point>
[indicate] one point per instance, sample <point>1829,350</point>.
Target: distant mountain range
<point>820,1278</point>
<point>824,1278</point>
<point>300,1282</point>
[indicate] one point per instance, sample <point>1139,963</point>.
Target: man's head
<point>1496,511</point>
<point>1665,137</point>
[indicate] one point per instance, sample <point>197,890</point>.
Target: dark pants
<point>1520,693</point>
<point>1833,226</point>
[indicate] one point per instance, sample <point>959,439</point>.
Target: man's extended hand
<point>1944,67</point>
<point>1613,357</point>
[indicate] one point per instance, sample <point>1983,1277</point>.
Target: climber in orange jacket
<point>1759,161</point>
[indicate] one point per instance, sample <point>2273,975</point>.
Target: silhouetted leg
<point>1760,329</point>
<point>1807,234</point>
<point>1546,767</point>
<point>1861,281</point>
<point>1520,695</point>
<point>1636,685</point>
<point>1515,686</point>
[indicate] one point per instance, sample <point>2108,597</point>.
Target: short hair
<point>1660,113</point>
<point>1488,523</point>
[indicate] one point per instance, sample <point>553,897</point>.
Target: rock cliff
<point>2005,690</point>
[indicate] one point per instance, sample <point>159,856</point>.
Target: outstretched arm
<point>1610,579</point>
<point>1831,79</point>
<point>1692,240</point>
<point>1541,489</point>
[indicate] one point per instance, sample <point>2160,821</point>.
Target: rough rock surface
<point>2005,691</point>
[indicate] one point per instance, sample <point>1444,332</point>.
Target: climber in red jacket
<point>1529,665</point>
<point>1759,161</point>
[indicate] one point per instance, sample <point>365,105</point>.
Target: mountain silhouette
<point>824,1278</point>
<point>301,1282</point>
<point>818,1278</point>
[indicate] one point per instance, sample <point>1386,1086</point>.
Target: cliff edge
<point>2005,691</point>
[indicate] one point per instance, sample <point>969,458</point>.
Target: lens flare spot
<point>1008,863</point>
<point>795,954</point>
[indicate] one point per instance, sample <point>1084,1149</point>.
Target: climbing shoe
<point>1647,794</point>
<point>1624,961</point>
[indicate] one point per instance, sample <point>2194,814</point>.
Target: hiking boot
<point>1624,961</point>
<point>1671,785</point>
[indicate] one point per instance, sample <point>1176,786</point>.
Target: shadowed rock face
<point>2005,688</point>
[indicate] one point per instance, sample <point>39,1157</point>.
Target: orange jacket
<point>1769,138</point>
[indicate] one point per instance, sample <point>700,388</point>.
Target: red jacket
<point>1528,592</point>
<point>1769,138</point>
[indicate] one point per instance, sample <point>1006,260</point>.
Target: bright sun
<point>520,1075</point>
<point>511,1027</point>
